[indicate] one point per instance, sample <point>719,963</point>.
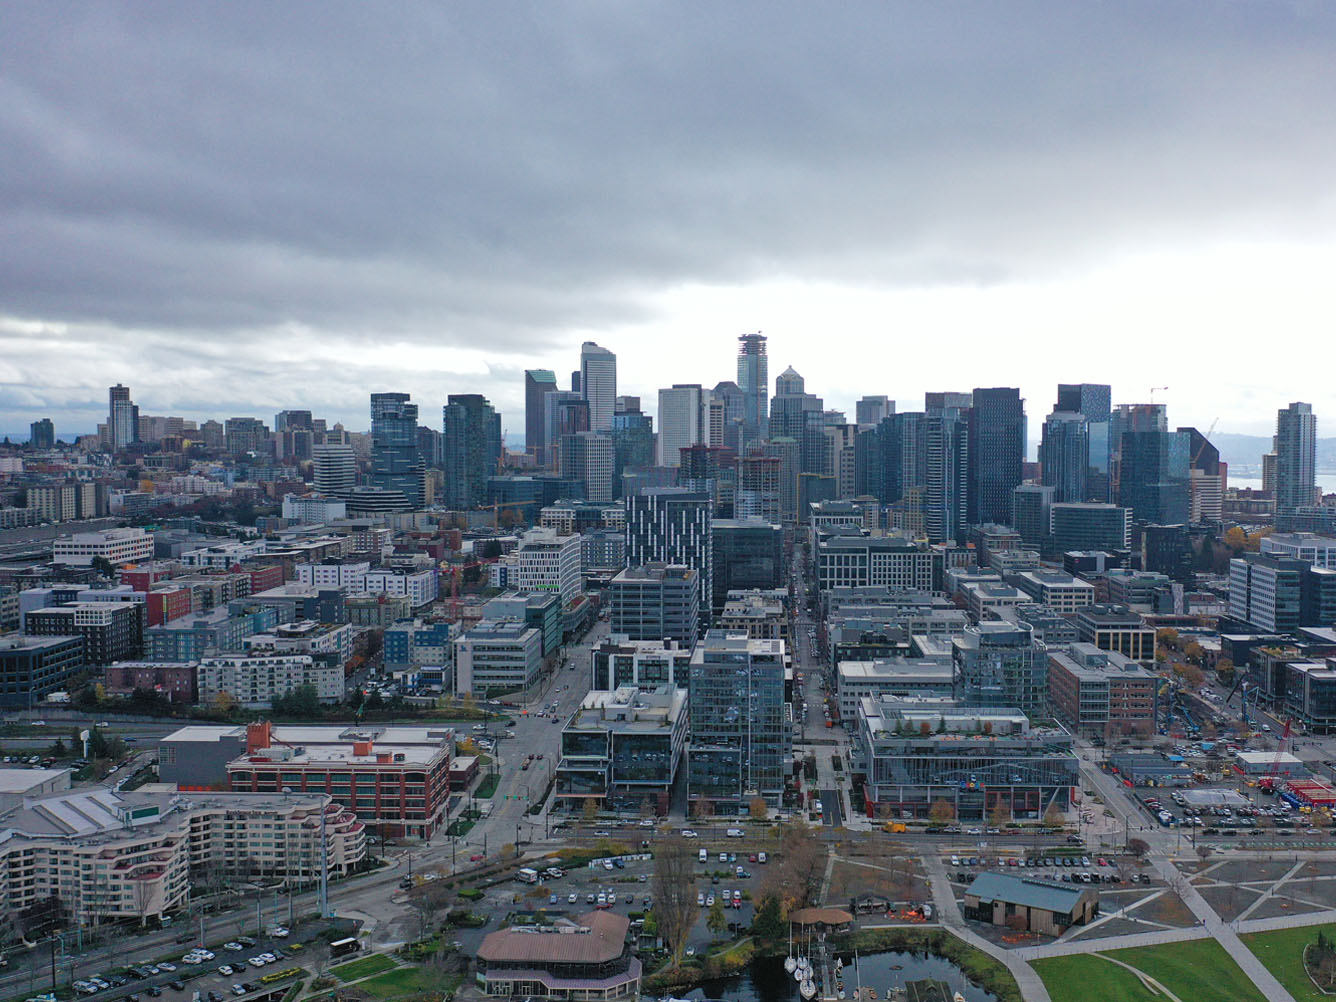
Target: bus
<point>341,947</point>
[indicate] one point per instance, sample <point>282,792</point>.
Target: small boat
<point>839,993</point>
<point>790,964</point>
<point>897,967</point>
<point>807,989</point>
<point>959,997</point>
<point>872,994</point>
<point>839,964</point>
<point>799,975</point>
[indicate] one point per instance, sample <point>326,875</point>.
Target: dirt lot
<point>897,878</point>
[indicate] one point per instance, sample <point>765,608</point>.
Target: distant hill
<point>1247,450</point>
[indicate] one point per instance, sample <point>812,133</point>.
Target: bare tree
<point>674,893</point>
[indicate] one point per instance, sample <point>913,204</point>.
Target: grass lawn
<point>487,786</point>
<point>1085,978</point>
<point>1282,952</point>
<point>371,964</point>
<point>1196,970</point>
<point>406,981</point>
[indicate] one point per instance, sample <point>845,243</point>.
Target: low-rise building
<point>1102,692</point>
<point>18,785</point>
<point>656,602</point>
<point>256,678</point>
<point>397,787</point>
<point>588,958</point>
<point>540,609</point>
<point>192,637</point>
<point>913,753</point>
<point>497,657</point>
<point>172,680</point>
<point>1115,628</point>
<point>1310,694</point>
<point>1058,590</point>
<point>33,667</point>
<point>622,748</point>
<point>119,546</point>
<point>1027,903</point>
<point>111,631</point>
<point>620,661</point>
<point>114,856</point>
<point>327,642</point>
<point>898,678</point>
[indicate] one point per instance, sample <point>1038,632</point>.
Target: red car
<point>476,858</point>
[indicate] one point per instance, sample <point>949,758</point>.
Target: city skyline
<point>879,189</point>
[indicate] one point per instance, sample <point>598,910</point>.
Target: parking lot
<point>625,885</point>
<point>246,960</point>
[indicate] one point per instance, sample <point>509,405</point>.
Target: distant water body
<point>1326,481</point>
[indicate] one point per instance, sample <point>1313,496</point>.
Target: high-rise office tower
<point>565,412</point>
<point>870,411</point>
<point>753,381</point>
<point>122,418</point>
<point>246,434</point>
<point>470,447</point>
<point>293,421</point>
<point>335,469</point>
<point>1153,475</point>
<point>537,383</point>
<point>799,415</point>
<point>1206,478</point>
<point>1094,402</point>
<point>598,384</point>
<point>679,421</point>
<point>671,525</point>
<point>632,439</point>
<point>588,456</point>
<point>396,463</point>
<point>741,739</point>
<point>1064,455</point>
<point>42,434</point>
<point>757,492</point>
<point>727,416</point>
<point>1296,456</point>
<point>946,489</point>
<point>996,452</point>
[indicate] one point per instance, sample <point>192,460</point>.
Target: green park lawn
<point>371,964</point>
<point>406,981</point>
<point>1197,970</point>
<point>1282,952</point>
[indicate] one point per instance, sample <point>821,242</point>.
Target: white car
<point>688,833</point>
<point>700,899</point>
<point>572,898</point>
<point>225,970</point>
<point>166,966</point>
<point>233,946</point>
<point>256,961</point>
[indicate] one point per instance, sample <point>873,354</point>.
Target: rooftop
<point>1027,891</point>
<point>596,938</point>
<point>23,780</point>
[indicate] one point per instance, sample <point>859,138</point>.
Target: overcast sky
<point>236,208</point>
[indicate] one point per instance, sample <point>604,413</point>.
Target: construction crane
<point>1154,390</point>
<point>1205,441</point>
<point>1268,781</point>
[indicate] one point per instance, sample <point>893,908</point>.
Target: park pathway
<point>1271,989</point>
<point>948,913</point>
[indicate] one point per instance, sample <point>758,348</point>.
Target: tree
<point>799,867</point>
<point>1167,636</point>
<point>1194,652</point>
<point>491,549</point>
<point>1053,817</point>
<point>941,812</point>
<point>1138,847</point>
<point>768,922</point>
<point>1224,668</point>
<point>1194,676</point>
<point>58,749</point>
<point>224,703</point>
<point>1000,816</point>
<point>716,921</point>
<point>591,809</point>
<point>674,894</point>
<point>757,808</point>
<point>1203,852</point>
<point>104,567</point>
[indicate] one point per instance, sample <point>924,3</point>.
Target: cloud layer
<point>240,207</point>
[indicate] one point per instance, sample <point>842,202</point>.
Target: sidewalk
<point>1032,988</point>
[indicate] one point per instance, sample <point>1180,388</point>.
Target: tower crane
<point>1154,390</point>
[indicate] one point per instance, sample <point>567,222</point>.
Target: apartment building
<point>256,678</point>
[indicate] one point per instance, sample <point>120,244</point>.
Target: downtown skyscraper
<point>396,461</point>
<point>122,418</point>
<point>996,453</point>
<point>753,380</point>
<point>537,384</point>
<point>470,447</point>
<point>598,384</point>
<point>1296,456</point>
